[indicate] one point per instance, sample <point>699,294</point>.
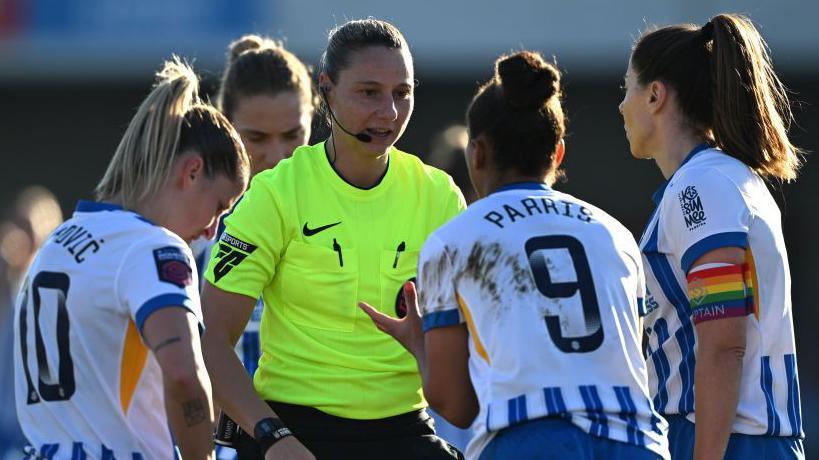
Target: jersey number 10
<point>47,389</point>
<point>563,290</point>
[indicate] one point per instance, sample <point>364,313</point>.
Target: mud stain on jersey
<point>480,267</point>
<point>499,276</point>
<point>436,272</point>
<point>496,272</point>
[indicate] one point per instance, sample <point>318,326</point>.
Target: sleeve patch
<point>232,251</point>
<point>172,266</point>
<point>237,243</point>
<point>692,209</point>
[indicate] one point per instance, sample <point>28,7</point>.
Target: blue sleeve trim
<point>441,319</point>
<point>159,302</point>
<point>709,243</point>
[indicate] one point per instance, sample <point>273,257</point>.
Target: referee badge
<point>400,304</point>
<point>232,251</point>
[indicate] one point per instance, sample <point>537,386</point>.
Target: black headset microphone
<point>363,137</point>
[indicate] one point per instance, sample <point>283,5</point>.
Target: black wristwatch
<point>269,431</point>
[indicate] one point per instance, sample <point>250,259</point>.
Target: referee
<point>340,222</point>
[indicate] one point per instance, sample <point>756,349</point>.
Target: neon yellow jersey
<point>313,246</point>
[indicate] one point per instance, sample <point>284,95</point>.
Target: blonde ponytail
<point>171,113</point>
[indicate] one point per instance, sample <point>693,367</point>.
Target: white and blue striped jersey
<point>714,200</point>
<point>551,290</point>
<point>86,385</point>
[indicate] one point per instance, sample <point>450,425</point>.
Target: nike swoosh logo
<point>312,231</point>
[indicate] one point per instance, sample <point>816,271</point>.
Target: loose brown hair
<point>259,65</point>
<point>726,88</point>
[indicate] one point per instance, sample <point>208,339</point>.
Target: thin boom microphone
<point>363,137</point>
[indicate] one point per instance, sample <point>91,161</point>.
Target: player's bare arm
<point>720,351</point>
<point>448,387</point>
<point>172,335</point>
<point>444,376</point>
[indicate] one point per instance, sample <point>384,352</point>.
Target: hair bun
<point>246,43</point>
<point>527,80</point>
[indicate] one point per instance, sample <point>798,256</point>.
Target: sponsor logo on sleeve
<point>236,243</point>
<point>691,205</point>
<point>232,251</point>
<point>651,303</point>
<point>173,266</point>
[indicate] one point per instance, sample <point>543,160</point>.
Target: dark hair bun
<point>246,43</point>
<point>527,81</point>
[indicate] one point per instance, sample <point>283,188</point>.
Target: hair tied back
<point>707,31</point>
<point>527,81</point>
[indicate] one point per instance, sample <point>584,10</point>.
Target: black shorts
<point>406,436</point>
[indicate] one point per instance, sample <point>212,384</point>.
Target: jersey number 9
<point>564,290</point>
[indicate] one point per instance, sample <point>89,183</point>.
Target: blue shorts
<point>558,439</point>
<point>740,446</point>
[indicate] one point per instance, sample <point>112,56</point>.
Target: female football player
<point>528,327</point>
<point>108,320</point>
<point>707,106</point>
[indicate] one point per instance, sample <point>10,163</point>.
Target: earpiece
<point>363,137</point>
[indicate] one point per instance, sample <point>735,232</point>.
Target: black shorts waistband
<point>311,422</point>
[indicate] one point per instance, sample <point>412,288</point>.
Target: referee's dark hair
<point>353,36</point>
<point>520,114</point>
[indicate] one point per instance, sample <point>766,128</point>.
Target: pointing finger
<point>382,321</point>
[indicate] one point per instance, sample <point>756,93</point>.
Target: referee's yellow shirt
<point>313,246</point>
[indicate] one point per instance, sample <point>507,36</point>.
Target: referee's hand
<point>407,330</point>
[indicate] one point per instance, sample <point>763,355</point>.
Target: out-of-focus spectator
<point>33,215</point>
<point>446,151</point>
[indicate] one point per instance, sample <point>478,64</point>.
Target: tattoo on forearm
<point>195,412</point>
<point>166,342</point>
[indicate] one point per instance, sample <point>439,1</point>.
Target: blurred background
<point>72,73</point>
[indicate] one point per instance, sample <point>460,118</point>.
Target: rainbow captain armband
<point>718,290</point>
